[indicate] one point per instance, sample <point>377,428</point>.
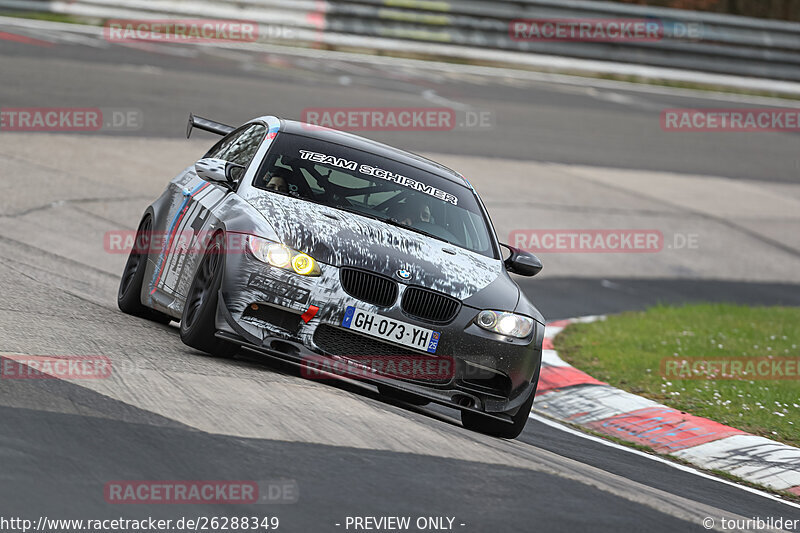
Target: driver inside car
<point>417,213</point>
<point>278,183</point>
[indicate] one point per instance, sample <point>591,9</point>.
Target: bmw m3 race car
<point>335,252</point>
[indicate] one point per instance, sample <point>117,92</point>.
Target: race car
<point>345,256</point>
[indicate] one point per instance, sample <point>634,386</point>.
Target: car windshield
<point>376,187</point>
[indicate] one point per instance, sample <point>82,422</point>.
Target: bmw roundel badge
<point>403,274</point>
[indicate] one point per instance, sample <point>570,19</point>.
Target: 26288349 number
<point>237,523</point>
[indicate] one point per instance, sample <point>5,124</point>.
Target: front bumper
<point>270,310</point>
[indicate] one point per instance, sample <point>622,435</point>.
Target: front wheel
<point>129,295</point>
<point>496,428</point>
<point>198,322</point>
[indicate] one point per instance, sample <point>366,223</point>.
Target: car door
<point>187,224</point>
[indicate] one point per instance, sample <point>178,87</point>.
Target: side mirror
<point>218,171</point>
<point>521,262</point>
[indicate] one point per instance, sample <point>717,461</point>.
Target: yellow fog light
<point>303,264</point>
<point>281,256</point>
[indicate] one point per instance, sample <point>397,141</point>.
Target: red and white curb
<point>570,395</point>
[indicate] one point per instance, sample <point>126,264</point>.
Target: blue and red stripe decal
<point>176,221</point>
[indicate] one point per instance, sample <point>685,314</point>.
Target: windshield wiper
<point>392,222</point>
<point>357,212</point>
<point>395,222</point>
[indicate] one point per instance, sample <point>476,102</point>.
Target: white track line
<point>678,466</point>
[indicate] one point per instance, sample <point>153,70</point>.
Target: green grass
<point>627,350</point>
<point>52,17</point>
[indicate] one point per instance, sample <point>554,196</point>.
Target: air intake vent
<point>336,341</point>
<point>368,287</point>
<point>344,343</point>
<point>428,305</point>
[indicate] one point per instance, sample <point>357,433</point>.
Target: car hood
<point>341,238</point>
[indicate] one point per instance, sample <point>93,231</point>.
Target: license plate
<point>391,330</point>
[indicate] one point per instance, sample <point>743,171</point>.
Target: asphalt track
<point>559,156</point>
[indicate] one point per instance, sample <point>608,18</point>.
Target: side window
<point>222,146</point>
<point>240,146</point>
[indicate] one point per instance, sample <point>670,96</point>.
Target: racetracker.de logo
<point>180,30</point>
<point>49,367</point>
<point>157,242</point>
<point>731,120</point>
<point>276,491</point>
<point>385,119</point>
<point>619,241</point>
<point>586,30</point>
<point>69,119</point>
<point>413,367</point>
<point>50,119</point>
<point>731,368</point>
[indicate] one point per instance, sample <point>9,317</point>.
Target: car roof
<point>367,145</point>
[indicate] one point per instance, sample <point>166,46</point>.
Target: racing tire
<point>496,428</point>
<point>198,321</point>
<point>129,295</point>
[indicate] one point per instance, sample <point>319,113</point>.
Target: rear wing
<point>207,125</point>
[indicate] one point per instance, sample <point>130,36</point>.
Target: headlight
<point>282,256</point>
<point>508,324</point>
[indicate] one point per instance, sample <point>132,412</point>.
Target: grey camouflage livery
<point>264,308</point>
